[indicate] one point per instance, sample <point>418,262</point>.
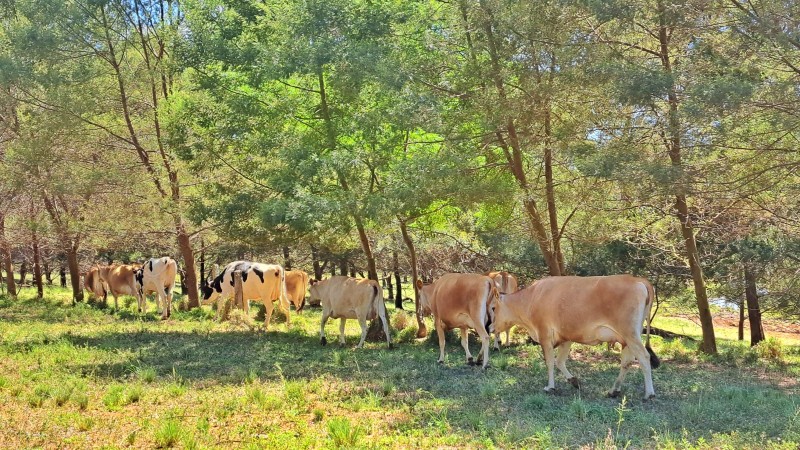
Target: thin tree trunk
<point>366,247</point>
<point>202,260</point>
<point>513,153</point>
<point>315,263</point>
<point>62,276</point>
<point>287,262</point>
<point>422,331</point>
<point>753,307</point>
<point>8,266</point>
<point>343,266</point>
<point>741,319</point>
<point>74,273</point>
<point>48,273</point>
<point>185,247</point>
<point>709,344</point>
<point>398,298</point>
<point>37,264</point>
<point>23,272</point>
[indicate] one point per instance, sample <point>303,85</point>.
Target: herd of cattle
<point>556,311</point>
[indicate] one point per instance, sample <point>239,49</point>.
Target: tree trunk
<point>185,247</point>
<point>74,273</point>
<point>422,331</point>
<point>23,272</point>
<point>202,261</point>
<point>513,152</point>
<point>287,262</point>
<point>333,269</point>
<point>62,276</point>
<point>37,265</point>
<point>343,266</point>
<point>372,270</point>
<point>674,147</point>
<point>753,308</point>
<point>315,262</point>
<point>398,298</point>
<point>8,266</point>
<point>741,319</point>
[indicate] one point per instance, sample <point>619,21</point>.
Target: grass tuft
<point>343,433</point>
<point>168,434</point>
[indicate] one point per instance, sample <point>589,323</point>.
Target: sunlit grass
<point>116,378</point>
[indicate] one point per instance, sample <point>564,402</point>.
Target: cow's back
<point>344,294</point>
<point>571,304</point>
<point>296,283</point>
<point>458,294</point>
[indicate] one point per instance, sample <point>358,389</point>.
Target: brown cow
<point>119,279</point>
<point>296,285</point>
<point>93,284</point>
<point>506,284</point>
<point>459,300</point>
<point>350,298</point>
<point>558,311</point>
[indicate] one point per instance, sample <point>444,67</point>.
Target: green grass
<point>103,378</point>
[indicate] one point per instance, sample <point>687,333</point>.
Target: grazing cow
<point>265,282</point>
<point>157,275</point>
<point>459,300</point>
<point>350,298</point>
<point>296,284</point>
<point>119,280</point>
<point>558,311</point>
<point>506,284</point>
<point>93,284</point>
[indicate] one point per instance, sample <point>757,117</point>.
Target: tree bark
<point>674,147</point>
<point>398,298</point>
<point>741,319</point>
<point>62,276</point>
<point>753,307</point>
<point>8,266</point>
<point>422,331</point>
<point>185,247</point>
<point>23,272</point>
<point>202,260</point>
<point>37,264</point>
<point>287,262</point>
<point>74,273</point>
<point>318,269</point>
<point>343,266</point>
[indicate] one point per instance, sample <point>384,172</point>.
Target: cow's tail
<point>380,309</point>
<point>651,294</point>
<point>493,295</point>
<point>305,286</point>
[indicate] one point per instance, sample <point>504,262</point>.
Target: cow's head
<point>210,290</point>
<point>425,297</point>
<point>314,293</point>
<point>503,316</point>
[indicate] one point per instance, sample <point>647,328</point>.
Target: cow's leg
<point>342,340</point>
<point>267,314</point>
<point>625,366</point>
<point>386,329</point>
<point>484,354</point>
<point>643,356</point>
<point>325,314</point>
<point>363,322</point>
<point>168,301</point>
<point>508,337</point>
<point>561,362</point>
<point>440,332</point>
<point>116,304</point>
<point>465,344</point>
<point>549,359</point>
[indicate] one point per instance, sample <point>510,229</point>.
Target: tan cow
<point>93,283</point>
<point>296,285</point>
<point>265,282</point>
<point>350,298</point>
<point>157,275</point>
<point>459,300</point>
<point>506,284</point>
<point>558,311</point>
<point>119,279</point>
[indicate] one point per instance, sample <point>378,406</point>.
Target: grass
<point>88,378</point>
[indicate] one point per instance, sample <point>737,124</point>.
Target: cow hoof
<point>487,366</point>
<point>439,361</point>
<point>323,341</point>
<point>470,362</point>
<point>649,397</point>
<point>549,390</point>
<point>613,394</point>
<point>574,382</point>
<point>391,346</point>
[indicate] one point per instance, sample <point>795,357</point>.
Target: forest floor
<point>84,377</point>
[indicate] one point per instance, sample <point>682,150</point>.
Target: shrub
<point>343,434</point>
<point>146,374</point>
<point>770,349</point>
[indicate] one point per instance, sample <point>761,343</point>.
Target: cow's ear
<point>419,283</point>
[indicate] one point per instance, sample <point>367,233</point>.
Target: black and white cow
<point>157,275</point>
<point>265,282</point>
